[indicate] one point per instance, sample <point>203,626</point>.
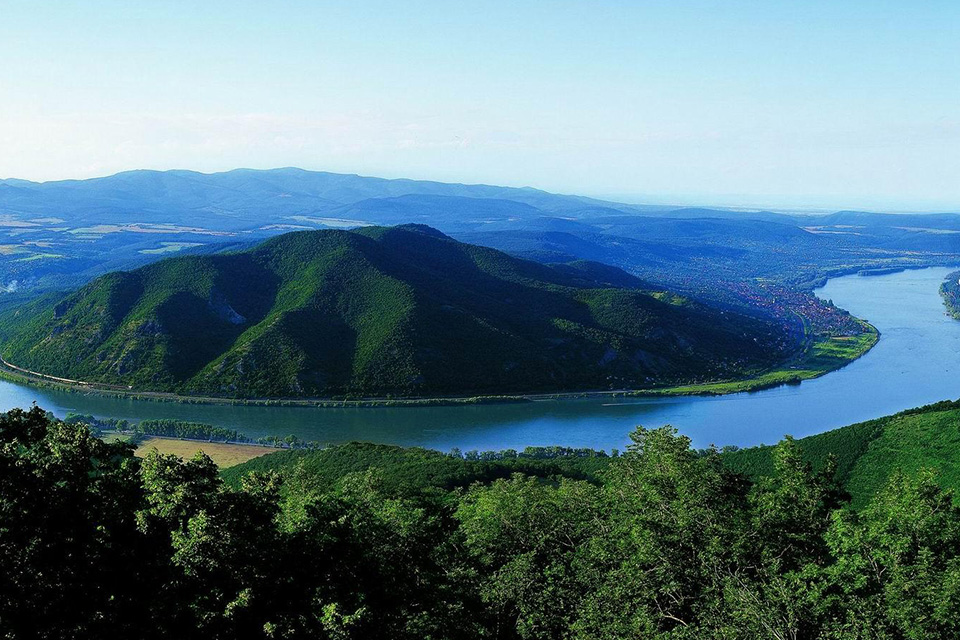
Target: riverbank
<point>821,356</point>
<point>16,374</point>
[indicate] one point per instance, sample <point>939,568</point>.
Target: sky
<point>805,104</point>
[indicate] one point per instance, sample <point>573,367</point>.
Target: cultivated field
<point>224,455</point>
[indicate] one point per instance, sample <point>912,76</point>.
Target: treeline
<point>358,400</point>
<point>199,431</point>
<point>97,425</point>
<point>188,430</point>
<point>184,430</point>
<point>537,453</point>
<point>662,542</point>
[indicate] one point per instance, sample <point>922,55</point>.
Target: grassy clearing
<point>223,454</point>
<point>823,356</point>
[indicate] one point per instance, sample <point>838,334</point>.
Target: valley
<point>743,282</point>
<point>760,264</point>
<point>910,366</point>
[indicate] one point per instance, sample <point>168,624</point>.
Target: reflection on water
<point>916,362</point>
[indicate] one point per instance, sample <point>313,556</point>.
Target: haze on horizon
<point>816,104</point>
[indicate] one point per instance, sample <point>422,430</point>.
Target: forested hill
<point>400,310</point>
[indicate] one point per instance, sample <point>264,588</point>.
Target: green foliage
<point>368,541</point>
<point>94,543</point>
<point>380,311</point>
<point>414,470</point>
<point>188,430</point>
<point>69,551</point>
<point>897,565</point>
<point>869,453</point>
<point>527,533</point>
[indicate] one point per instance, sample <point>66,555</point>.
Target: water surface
<point>916,362</point>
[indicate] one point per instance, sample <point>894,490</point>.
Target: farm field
<point>223,454</point>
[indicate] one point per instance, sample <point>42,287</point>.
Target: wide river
<point>916,362</point>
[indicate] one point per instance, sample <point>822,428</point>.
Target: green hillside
<point>869,453</point>
<point>379,311</point>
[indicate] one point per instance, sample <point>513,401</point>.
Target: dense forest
<point>367,541</point>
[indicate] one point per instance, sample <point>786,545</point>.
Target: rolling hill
<point>245,198</point>
<point>378,311</point>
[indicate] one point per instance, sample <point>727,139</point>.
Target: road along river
<point>916,362</point>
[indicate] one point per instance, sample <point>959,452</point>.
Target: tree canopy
<point>661,542</point>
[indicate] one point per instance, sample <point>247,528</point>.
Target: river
<point>916,362</point>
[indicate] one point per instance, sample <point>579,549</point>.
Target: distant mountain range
<point>246,198</point>
<point>60,235</point>
<point>376,311</point>
<point>243,198</point>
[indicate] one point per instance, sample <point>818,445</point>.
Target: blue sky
<point>793,104</point>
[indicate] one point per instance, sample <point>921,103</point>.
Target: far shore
<point>819,357</point>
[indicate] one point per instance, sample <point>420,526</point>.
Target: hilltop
<point>379,311</point>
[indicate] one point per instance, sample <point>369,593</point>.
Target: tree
<point>898,562</point>
<point>774,591</point>
<point>528,535</point>
<point>674,528</point>
<point>69,552</point>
